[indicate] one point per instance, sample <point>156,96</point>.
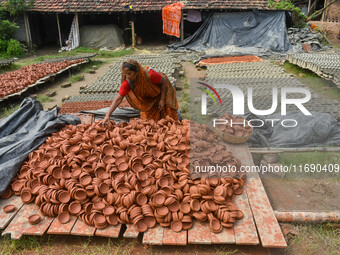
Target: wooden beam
<point>60,41</point>
<point>309,4</point>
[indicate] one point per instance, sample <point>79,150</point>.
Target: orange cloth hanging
<point>171,15</point>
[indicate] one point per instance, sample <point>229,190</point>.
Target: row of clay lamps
<point>72,107</point>
<point>235,125</point>
<point>137,172</point>
<point>12,82</point>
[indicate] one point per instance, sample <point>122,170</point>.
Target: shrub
<point>14,48</point>
<point>7,29</point>
<point>3,46</point>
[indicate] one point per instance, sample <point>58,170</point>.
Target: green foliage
<point>17,6</point>
<point>44,98</point>
<point>300,20</point>
<point>75,78</point>
<point>3,46</point>
<point>14,49</point>
<point>7,29</point>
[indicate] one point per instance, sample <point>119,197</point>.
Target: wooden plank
<point>200,233</point>
<point>57,228</point>
<point>82,229</point>
<point>131,231</point>
<point>174,238</point>
<point>20,222</point>
<point>109,231</point>
<point>41,227</point>
<point>226,236</point>
<point>267,226</point>
<point>154,236</point>
<point>5,218</point>
<point>245,229</point>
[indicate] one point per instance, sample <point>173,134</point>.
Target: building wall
<point>20,34</point>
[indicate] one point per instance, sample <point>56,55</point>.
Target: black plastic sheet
<point>239,32</point>
<point>23,132</point>
<point>319,129</point>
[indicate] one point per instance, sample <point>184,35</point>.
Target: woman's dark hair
<point>130,66</point>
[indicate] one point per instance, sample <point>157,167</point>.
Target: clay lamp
<point>176,226</point>
<point>141,226</point>
<point>141,199</point>
<point>17,186</point>
<point>215,226</point>
<point>108,210</point>
<point>26,195</point>
<point>195,205</point>
<point>185,208</point>
<point>64,197</point>
<point>99,219</point>
<point>162,211</point>
<point>174,207</point>
<point>142,175</point>
<point>9,208</point>
<point>80,195</point>
<point>103,188</point>
<point>150,221</point>
<point>163,182</point>
<point>123,166</point>
<point>147,159</point>
<point>159,173</point>
<point>108,150</point>
<point>99,205</point>
<point>66,174</point>
<point>74,208</point>
<point>85,180</point>
<point>64,217</point>
<point>159,199</point>
<point>112,220</point>
<point>34,219</point>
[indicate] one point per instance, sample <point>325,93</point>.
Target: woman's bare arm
<point>113,107</point>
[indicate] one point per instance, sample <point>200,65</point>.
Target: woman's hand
<point>161,105</point>
<point>106,120</point>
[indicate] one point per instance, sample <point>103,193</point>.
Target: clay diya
<point>34,219</point>
<point>74,208</point>
<point>64,217</point>
<point>9,208</point>
<point>141,226</point>
<point>176,226</point>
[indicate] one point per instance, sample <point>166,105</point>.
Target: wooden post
<point>28,31</point>
<point>60,40</point>
<point>133,33</point>
<point>182,27</point>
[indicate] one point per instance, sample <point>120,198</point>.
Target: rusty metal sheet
<point>200,233</point>
<point>5,218</point>
<point>109,231</point>
<point>267,226</point>
<point>175,238</point>
<point>82,229</point>
<point>57,228</point>
<point>226,236</point>
<point>245,229</point>
<point>20,221</point>
<point>131,231</point>
<point>154,236</point>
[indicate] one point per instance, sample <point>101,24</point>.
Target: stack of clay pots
<point>137,172</point>
<point>12,82</point>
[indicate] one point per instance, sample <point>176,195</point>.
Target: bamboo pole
<point>292,150</point>
<point>309,3</point>
<point>60,41</point>
<point>311,216</point>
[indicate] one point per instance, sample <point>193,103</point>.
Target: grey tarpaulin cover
<point>239,32</point>
<point>23,132</point>
<point>121,114</point>
<point>319,129</point>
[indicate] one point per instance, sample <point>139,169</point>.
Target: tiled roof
<point>139,5</point>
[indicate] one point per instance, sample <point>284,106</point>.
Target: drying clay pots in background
<point>130,173</point>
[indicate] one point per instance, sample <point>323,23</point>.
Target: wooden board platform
<point>259,225</point>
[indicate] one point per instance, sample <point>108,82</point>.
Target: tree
<point>15,7</point>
